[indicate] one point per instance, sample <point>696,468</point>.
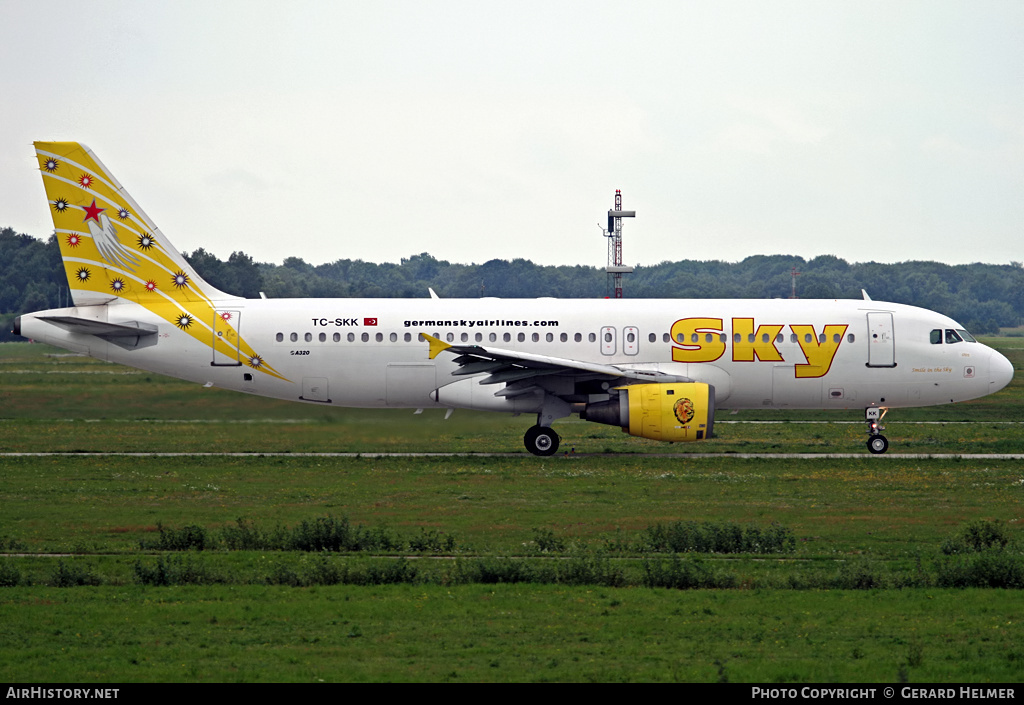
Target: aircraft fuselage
<point>785,354</point>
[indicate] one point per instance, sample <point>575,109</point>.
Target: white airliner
<point>656,368</point>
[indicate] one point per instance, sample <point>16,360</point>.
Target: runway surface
<point>624,456</point>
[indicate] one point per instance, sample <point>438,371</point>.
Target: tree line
<point>983,297</point>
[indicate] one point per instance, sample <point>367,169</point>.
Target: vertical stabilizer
<point>111,249</point>
<point>114,254</point>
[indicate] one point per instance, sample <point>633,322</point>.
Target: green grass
<point>107,504</point>
<point>507,633</point>
<point>864,521</point>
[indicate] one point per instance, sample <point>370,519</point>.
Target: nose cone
<point>1000,372</point>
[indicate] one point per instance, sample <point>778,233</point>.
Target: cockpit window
<point>966,336</point>
<point>953,337</point>
<point>936,336</point>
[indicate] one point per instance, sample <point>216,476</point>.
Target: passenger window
<point>379,337</point>
<point>408,337</point>
<point>536,337</point>
<point>578,338</point>
<point>323,337</point>
<point>592,337</point>
<point>493,337</point>
<point>280,337</point>
<point>465,337</point>
<point>337,337</point>
<point>936,336</point>
<point>394,337</point>
<point>507,337</point>
<point>521,337</point>
<point>549,337</point>
<point>365,337</point>
<point>564,337</point>
<point>293,337</point>
<point>351,337</point>
<point>666,338</point>
<point>479,337</point>
<point>850,337</point>
<point>653,337</point>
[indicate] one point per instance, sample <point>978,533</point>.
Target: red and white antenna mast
<point>614,234</point>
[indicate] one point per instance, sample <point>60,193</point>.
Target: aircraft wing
<point>507,366</point>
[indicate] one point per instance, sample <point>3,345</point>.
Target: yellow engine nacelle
<point>676,412</point>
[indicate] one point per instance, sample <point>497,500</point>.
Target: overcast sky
<point>883,131</point>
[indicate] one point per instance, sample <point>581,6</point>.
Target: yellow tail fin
<point>113,253</point>
<point>111,249</point>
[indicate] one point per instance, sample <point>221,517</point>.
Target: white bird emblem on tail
<point>104,234</point>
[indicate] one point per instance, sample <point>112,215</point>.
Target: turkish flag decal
<point>369,321</point>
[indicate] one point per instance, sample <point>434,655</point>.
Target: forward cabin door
<point>881,340</point>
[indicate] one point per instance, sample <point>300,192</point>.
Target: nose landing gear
<point>877,443</point>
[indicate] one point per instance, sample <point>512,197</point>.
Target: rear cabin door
<point>225,338</point>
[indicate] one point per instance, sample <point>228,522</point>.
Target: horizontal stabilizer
<point>128,335</point>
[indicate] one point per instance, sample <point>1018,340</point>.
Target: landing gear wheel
<point>541,440</point>
<point>878,444</point>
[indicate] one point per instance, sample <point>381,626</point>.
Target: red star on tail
<point>93,212</point>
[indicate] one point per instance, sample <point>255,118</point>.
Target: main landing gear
<point>877,443</point>
<point>541,440</point>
